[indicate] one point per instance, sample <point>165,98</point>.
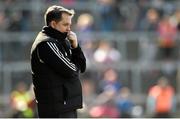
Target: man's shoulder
<point>42,37</point>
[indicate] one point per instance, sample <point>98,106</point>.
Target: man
<point>56,60</point>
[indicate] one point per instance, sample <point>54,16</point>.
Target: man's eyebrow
<point>67,23</point>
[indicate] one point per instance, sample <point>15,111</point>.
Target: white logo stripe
<point>66,59</point>
<point>54,45</point>
<point>56,49</point>
<point>73,68</point>
<point>61,55</point>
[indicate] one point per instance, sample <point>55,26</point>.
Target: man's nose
<point>68,29</point>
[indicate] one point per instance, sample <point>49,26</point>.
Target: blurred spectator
<point>124,103</point>
<point>85,22</point>
<point>84,28</point>
<point>150,22</point>
<point>110,80</point>
<point>20,102</point>
<point>20,21</point>
<point>167,37</point>
<point>109,13</point>
<point>104,106</point>
<point>161,99</point>
<point>105,53</point>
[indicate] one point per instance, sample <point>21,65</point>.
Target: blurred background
<point>132,49</point>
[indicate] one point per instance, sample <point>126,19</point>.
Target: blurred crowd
<point>106,93</point>
<point>109,15</point>
<point>108,98</point>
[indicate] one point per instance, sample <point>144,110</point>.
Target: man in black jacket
<point>56,60</point>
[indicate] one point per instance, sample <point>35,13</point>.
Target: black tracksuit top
<point>55,72</point>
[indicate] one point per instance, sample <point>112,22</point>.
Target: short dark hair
<point>55,12</point>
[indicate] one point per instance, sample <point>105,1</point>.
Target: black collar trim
<point>54,33</point>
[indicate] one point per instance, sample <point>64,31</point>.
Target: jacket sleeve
<point>51,55</point>
<point>79,59</point>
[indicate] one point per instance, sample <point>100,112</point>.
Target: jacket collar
<point>54,33</point>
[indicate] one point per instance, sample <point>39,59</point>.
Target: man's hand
<point>73,39</point>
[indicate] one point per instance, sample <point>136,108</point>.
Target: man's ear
<point>53,24</point>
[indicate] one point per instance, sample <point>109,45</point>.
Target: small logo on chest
<point>65,53</point>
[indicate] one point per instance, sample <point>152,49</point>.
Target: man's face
<point>65,24</point>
